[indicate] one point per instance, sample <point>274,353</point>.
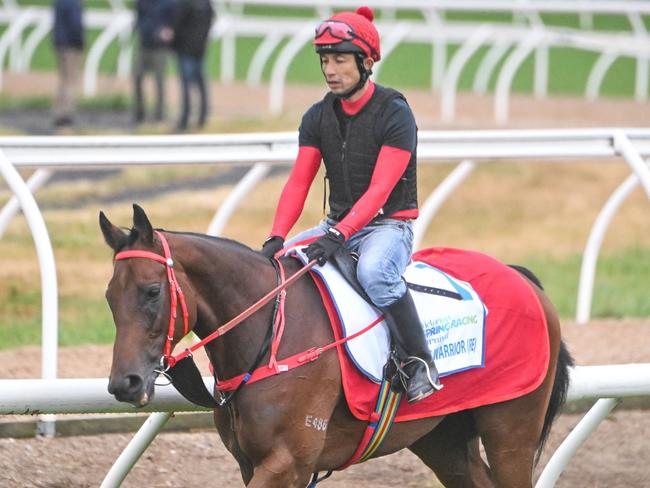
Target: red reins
<point>242,316</point>
<point>176,296</point>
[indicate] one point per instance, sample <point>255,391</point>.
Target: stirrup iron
<point>435,383</point>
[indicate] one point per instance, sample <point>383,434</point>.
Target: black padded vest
<point>350,158</point>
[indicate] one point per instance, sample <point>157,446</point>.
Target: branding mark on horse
<point>315,422</point>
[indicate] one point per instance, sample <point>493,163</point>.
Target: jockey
<point>366,135</point>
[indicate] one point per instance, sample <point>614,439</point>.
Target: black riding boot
<point>406,330</point>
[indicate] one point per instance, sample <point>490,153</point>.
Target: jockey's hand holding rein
<point>325,246</point>
<point>272,246</point>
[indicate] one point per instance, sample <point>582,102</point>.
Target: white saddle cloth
<point>454,327</point>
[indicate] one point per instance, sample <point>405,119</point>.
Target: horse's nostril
<point>126,387</point>
<point>133,383</point>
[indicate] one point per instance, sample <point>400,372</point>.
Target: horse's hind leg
<point>451,450</point>
<point>510,432</point>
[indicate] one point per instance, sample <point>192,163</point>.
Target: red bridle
<point>175,292</point>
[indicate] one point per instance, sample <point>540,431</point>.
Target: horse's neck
<point>226,279</point>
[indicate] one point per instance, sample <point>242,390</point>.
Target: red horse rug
<point>504,353</point>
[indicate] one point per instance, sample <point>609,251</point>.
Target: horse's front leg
<point>284,436</point>
<point>285,462</point>
<point>281,469</point>
<point>288,456</point>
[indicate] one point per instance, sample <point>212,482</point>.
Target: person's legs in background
<point>159,66</point>
<point>138,79</point>
<point>69,64</point>
<point>204,101</point>
<point>185,70</point>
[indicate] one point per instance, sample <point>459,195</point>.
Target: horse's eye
<point>153,291</point>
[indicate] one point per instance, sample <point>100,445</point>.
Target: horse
<point>264,425</point>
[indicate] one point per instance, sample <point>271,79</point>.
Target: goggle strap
<point>328,25</point>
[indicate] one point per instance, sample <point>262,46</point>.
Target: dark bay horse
<point>265,427</point>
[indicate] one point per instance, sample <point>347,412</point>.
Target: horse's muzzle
<point>130,388</point>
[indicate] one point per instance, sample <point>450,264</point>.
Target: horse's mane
<point>133,234</point>
<point>212,239</point>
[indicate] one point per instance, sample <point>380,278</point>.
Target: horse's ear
<point>113,235</point>
<point>142,225</point>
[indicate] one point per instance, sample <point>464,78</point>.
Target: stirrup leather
<point>395,374</point>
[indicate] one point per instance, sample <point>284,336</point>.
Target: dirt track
<point>614,456</point>
<point>233,103</point>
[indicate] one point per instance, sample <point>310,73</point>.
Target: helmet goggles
<point>342,31</point>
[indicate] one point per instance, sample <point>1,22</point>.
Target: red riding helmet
<point>347,32</point>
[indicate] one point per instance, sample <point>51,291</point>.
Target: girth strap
<point>378,427</point>
<point>381,420</point>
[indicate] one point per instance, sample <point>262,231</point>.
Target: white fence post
<point>592,249</point>
<point>43,26</point>
<point>279,73</point>
<point>598,72</point>
<point>504,83</point>
<point>574,440</point>
<point>134,449</point>
<point>437,198</point>
<point>623,145</point>
<point>49,290</point>
<point>234,198</point>
<point>120,22</point>
<point>450,82</point>
<point>10,38</point>
<point>11,208</point>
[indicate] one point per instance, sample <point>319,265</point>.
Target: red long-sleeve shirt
<point>390,166</point>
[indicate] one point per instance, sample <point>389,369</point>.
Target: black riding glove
<point>271,246</point>
<point>325,246</point>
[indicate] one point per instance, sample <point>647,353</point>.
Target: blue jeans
<point>191,72</point>
<point>384,249</point>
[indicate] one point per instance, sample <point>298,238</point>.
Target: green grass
<point>81,320</point>
<point>115,102</point>
<point>620,291</point>
<point>36,102</point>
<point>620,286</point>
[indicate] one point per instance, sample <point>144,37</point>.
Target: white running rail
<point>608,384</point>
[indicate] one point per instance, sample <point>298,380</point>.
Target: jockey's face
<point>340,71</point>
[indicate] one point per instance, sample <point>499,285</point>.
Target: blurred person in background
<point>192,23</point>
<point>367,138</point>
<point>68,38</point>
<point>154,19</point>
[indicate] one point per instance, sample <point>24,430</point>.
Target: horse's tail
<point>561,381</point>
<point>558,394</point>
<point>528,274</point>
